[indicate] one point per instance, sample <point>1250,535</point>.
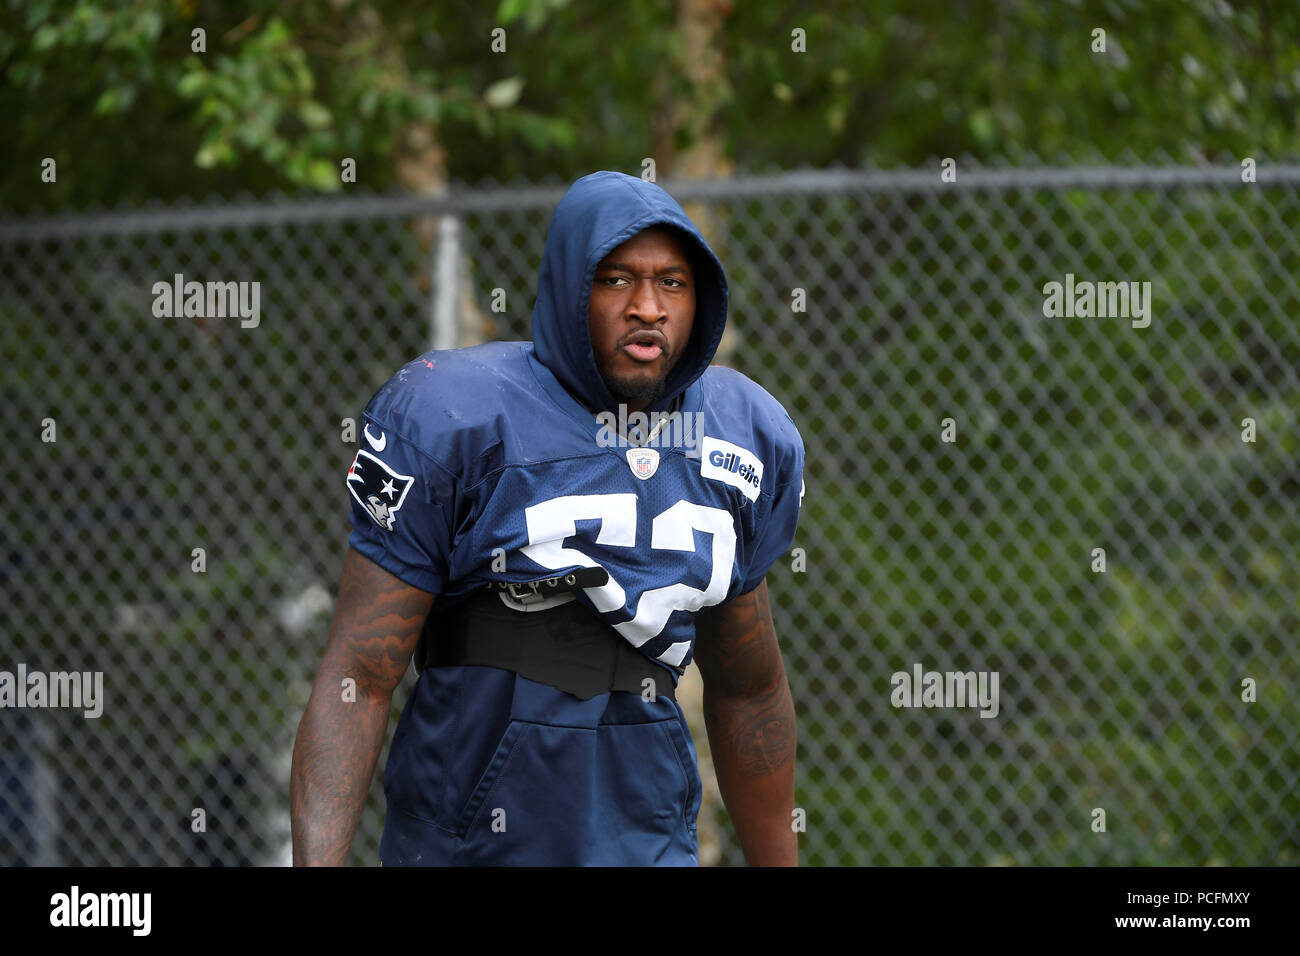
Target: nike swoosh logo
<point>376,445</point>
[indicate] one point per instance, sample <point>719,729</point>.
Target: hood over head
<point>599,213</point>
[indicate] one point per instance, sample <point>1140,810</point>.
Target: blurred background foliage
<point>421,94</point>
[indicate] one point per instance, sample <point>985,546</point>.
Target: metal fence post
<point>446,297</point>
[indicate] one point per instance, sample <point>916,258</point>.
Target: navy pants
<point>488,768</point>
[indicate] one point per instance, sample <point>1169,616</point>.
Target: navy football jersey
<point>477,465</point>
<point>507,462</point>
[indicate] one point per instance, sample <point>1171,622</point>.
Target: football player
<point>553,530</point>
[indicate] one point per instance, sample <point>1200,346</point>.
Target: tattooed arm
<point>376,625</point>
<point>749,716</point>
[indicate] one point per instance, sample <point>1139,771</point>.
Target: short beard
<point>633,390</point>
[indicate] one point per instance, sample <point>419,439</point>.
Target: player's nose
<point>646,303</point>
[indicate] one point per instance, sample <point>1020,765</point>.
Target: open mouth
<point>646,345</point>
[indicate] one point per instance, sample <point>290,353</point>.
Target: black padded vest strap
<point>567,647</point>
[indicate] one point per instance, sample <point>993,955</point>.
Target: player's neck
<point>639,429</point>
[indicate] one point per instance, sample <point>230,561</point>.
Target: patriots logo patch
<point>378,488</point>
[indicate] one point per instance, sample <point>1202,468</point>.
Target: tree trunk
<point>420,166</point>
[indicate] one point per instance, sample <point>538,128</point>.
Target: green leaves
<point>315,115</point>
<point>283,89</point>
<point>115,99</point>
<point>533,12</point>
<point>46,38</point>
<point>260,101</point>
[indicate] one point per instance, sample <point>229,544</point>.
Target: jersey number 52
<point>552,522</point>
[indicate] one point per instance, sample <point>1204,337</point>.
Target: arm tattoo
<point>376,624</point>
<point>748,706</point>
<point>378,616</point>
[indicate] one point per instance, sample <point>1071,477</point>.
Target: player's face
<point>640,314</point>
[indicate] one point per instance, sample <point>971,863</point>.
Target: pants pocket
<point>493,774</point>
<point>692,787</point>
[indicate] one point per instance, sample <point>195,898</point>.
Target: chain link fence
<point>1094,512</point>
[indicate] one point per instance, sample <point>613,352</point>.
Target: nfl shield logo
<point>644,462</point>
